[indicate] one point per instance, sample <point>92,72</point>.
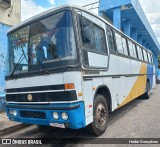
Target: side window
<point>132,49</point>
<point>145,55</point>
<point>87,33</point>
<point>140,54</point>
<point>124,43</point>
<point>110,39</point>
<point>100,40</point>
<point>93,36</point>
<point>149,57</point>
<point>119,43</point>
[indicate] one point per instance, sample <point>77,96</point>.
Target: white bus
<point>70,68</point>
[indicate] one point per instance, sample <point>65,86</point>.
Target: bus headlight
<point>11,112</point>
<point>55,115</point>
<point>14,113</point>
<point>64,115</point>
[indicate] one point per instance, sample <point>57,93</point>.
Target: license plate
<point>57,125</point>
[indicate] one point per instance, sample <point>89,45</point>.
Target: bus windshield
<point>46,43</point>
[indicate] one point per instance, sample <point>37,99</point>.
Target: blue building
<point>9,16</point>
<point>3,53</point>
<point>128,16</point>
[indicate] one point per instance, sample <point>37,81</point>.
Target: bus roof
<point>52,10</point>
<point>43,14</point>
<point>28,21</point>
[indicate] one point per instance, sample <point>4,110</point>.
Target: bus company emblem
<point>29,97</point>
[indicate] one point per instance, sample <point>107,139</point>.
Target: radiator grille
<point>33,114</point>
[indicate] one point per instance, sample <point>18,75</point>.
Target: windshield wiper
<point>41,67</point>
<point>17,64</point>
<point>39,64</point>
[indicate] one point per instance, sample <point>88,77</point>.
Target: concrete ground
<point>4,121</point>
<point>138,119</point>
<point>7,126</point>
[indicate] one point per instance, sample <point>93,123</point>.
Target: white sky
<point>150,7</point>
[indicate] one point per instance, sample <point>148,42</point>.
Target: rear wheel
<point>148,92</point>
<point>100,116</point>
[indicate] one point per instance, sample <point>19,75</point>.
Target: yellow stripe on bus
<point>139,86</point>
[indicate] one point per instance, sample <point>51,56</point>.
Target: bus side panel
<point>88,99</point>
<point>136,67</point>
<point>76,78</point>
<point>124,81</point>
<point>154,76</point>
<point>111,82</point>
<point>139,85</point>
<point>150,74</point>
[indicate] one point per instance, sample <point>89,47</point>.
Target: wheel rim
<point>101,115</point>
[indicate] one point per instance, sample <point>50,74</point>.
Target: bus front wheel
<point>100,116</point>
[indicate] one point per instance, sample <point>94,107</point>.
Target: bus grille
<point>30,114</point>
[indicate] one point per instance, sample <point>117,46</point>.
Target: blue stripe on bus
<point>76,118</point>
<point>150,74</point>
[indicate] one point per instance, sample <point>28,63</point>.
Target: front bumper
<point>75,111</point>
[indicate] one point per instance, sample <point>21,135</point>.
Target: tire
<point>100,116</point>
<point>147,93</point>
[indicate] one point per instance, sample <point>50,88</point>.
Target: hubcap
<point>101,114</point>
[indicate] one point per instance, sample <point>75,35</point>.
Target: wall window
<point>110,39</point>
<point>140,54</point>
<point>132,49</point>
<point>93,36</point>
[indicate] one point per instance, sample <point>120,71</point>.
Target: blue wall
<point>3,56</point>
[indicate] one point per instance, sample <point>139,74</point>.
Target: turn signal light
<point>69,86</point>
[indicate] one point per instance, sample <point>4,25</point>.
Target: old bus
<point>70,68</point>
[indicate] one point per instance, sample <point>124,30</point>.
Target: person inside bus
<point>46,49</point>
<point>64,36</point>
<point>56,42</point>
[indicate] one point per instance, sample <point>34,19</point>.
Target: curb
<point>12,129</point>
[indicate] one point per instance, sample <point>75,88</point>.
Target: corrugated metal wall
<point>3,55</point>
